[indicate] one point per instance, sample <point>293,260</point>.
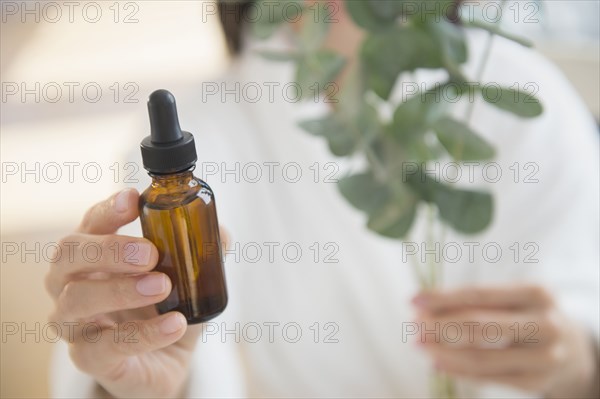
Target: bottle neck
<point>173,179</point>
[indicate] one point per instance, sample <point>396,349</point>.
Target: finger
<point>488,362</point>
<point>108,352</point>
<point>107,216</point>
<point>84,299</point>
<point>486,328</point>
<point>83,253</point>
<point>520,296</point>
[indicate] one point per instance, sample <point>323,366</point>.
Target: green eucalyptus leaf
<point>395,217</point>
<point>420,150</point>
<point>263,30</point>
<point>423,186</point>
<point>387,10</point>
<point>390,211</point>
<point>391,153</point>
<point>344,132</point>
<point>466,211</point>
<point>313,33</point>
<point>278,56</point>
<point>428,11</point>
<point>515,101</point>
<point>350,100</point>
<point>398,50</point>
<point>461,142</point>
<point>452,42</point>
<point>415,115</point>
<point>364,192</point>
<point>318,69</point>
<point>272,14</point>
<point>367,123</point>
<point>342,141</point>
<point>342,144</point>
<point>321,127</point>
<point>365,16</point>
<point>410,118</point>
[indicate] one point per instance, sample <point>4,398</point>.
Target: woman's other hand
<point>513,335</point>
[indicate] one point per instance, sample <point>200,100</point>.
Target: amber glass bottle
<point>178,215</point>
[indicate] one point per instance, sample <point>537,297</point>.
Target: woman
<point>340,316</point>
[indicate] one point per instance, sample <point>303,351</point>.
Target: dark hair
<point>231,14</point>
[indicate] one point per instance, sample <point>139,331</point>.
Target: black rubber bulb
<point>168,149</point>
<point>164,123</point>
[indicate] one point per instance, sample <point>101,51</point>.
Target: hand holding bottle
<point>134,350</point>
<point>139,353</point>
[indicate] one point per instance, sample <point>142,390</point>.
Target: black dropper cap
<point>168,149</point>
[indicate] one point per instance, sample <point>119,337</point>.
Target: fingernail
<point>122,201</point>
<point>138,253</point>
<point>171,324</point>
<point>152,284</point>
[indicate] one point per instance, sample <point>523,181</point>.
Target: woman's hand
<point>104,292</point>
<point>508,335</point>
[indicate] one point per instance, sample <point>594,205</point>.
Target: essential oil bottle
<point>178,215</point>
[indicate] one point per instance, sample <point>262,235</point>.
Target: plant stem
<point>483,64</point>
<point>444,386</point>
<point>418,273</point>
<point>431,242</point>
<point>381,173</point>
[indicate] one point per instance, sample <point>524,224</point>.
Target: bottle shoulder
<point>159,196</point>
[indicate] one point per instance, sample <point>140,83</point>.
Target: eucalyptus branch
<point>433,270</point>
<point>391,48</point>
<point>381,173</point>
<point>495,30</point>
<point>492,30</point>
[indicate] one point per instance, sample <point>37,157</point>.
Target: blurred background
<point>74,84</point>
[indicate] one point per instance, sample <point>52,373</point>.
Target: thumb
<point>107,216</point>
